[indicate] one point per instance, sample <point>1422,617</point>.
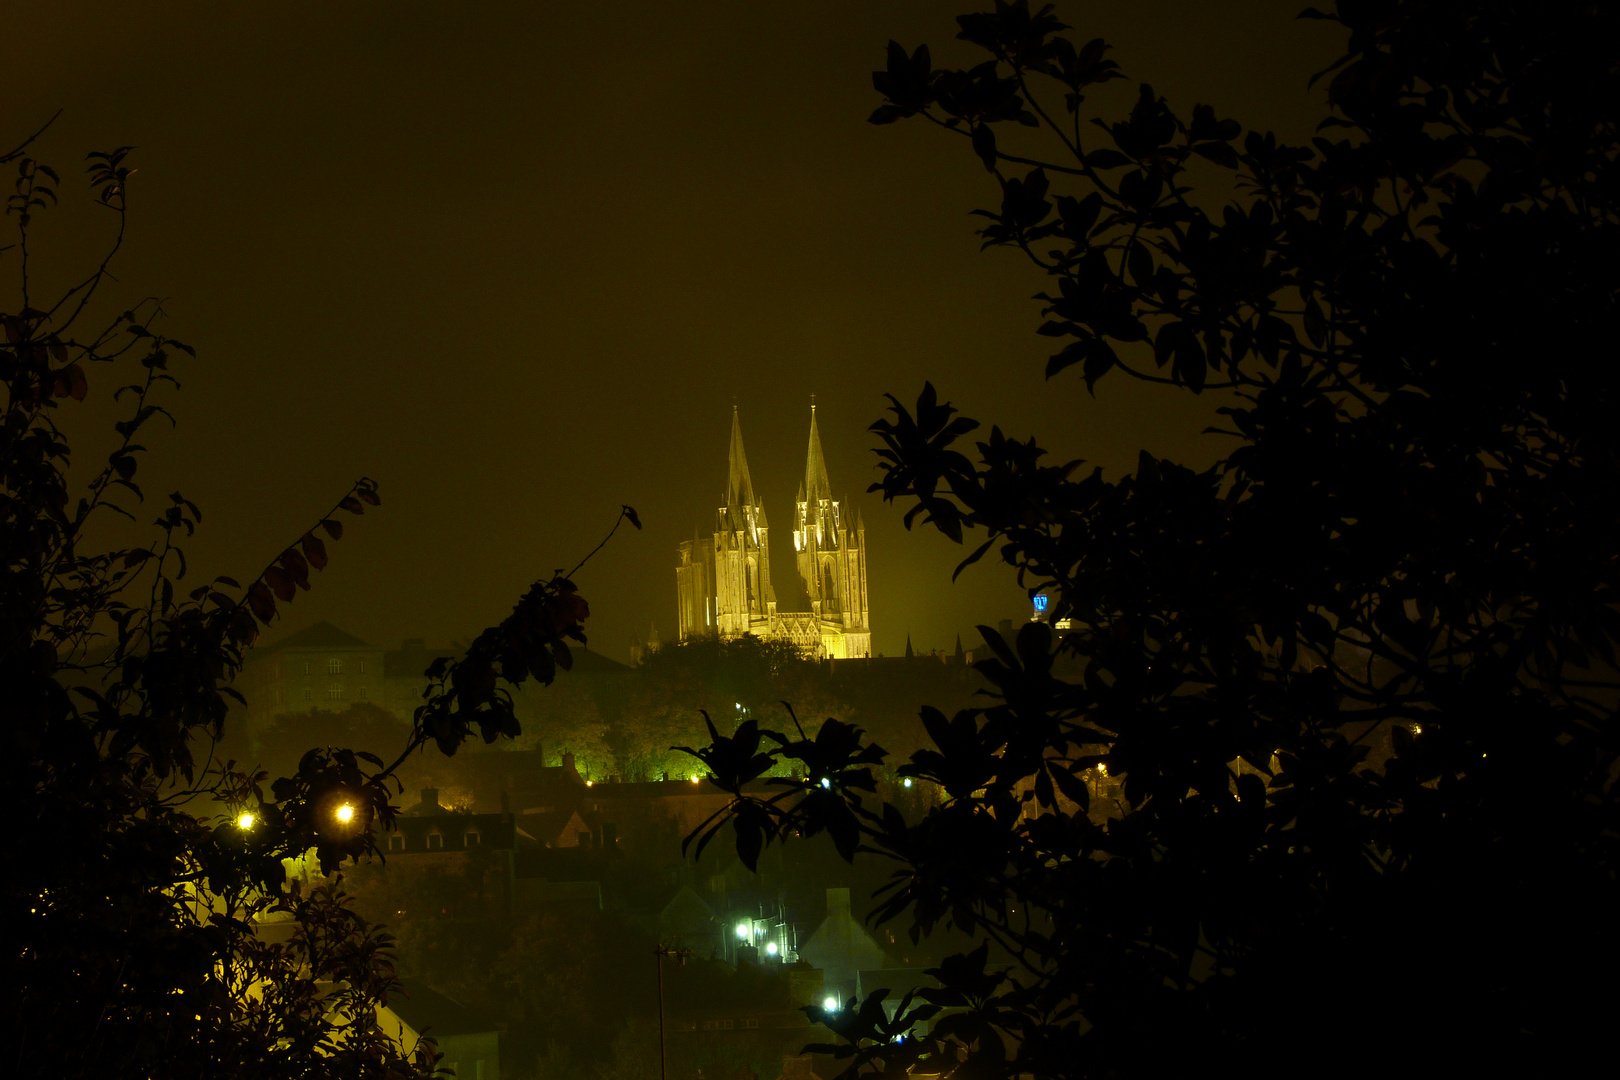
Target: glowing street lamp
<point>344,813</point>
<point>742,930</point>
<point>245,820</point>
<point>829,1004</point>
<point>770,950</point>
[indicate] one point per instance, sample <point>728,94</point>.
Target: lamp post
<point>680,956</point>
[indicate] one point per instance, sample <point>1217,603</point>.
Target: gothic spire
<point>815,469</point>
<point>739,487</point>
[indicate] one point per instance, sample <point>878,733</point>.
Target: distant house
<point>557,828</point>
<point>468,1040</point>
<point>686,922</point>
<point>319,667</point>
<point>426,828</point>
<point>508,779</point>
<point>842,948</point>
<point>403,675</point>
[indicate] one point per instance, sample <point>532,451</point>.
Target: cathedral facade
<point>723,582</point>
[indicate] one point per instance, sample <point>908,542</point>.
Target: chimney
<point>568,762</point>
<point>430,798</point>
<point>838,902</point>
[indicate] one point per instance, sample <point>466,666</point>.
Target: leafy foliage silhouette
<point>142,873</point>
<point>1354,686</point>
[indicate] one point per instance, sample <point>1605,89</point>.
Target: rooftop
<point>433,1013</point>
<point>322,635</point>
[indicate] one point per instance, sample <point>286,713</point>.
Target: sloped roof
<point>841,946</point>
<point>323,635</point>
<point>554,828</point>
<point>590,662</point>
<point>412,662</point>
<point>433,1013</point>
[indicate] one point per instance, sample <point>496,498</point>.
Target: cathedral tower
<point>831,553</point>
<point>723,582</point>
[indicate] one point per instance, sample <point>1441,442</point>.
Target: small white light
<point>244,820</point>
<point>738,704</point>
<point>344,813</point>
<point>770,950</point>
<point>587,783</point>
<point>742,930</point>
<point>907,781</point>
<point>829,1004</point>
<point>826,783</point>
<point>694,779</point>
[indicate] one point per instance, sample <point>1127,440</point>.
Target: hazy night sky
<point>517,261</point>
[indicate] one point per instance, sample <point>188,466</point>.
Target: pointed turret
<point>815,468</point>
<point>739,486</point>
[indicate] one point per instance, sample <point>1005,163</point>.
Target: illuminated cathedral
<point>723,582</point>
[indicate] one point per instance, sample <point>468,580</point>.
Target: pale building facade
<point>723,581</point>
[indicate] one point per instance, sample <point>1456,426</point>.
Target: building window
<point>306,667</point>
<point>362,694</point>
<point>472,838</point>
<point>334,666</point>
<point>435,840</point>
<point>309,695</point>
<point>396,842</point>
<point>334,692</point>
<point>362,667</point>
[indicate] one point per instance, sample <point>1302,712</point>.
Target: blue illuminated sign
<point>1041,602</point>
